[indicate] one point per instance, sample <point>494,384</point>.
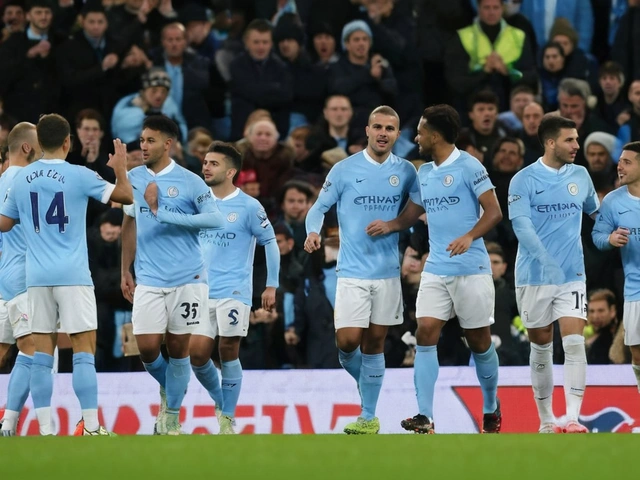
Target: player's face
<point>566,145</point>
<point>634,95</point>
<point>490,12</point>
<point>600,314</point>
<point>338,112</point>
<point>382,133</point>
<point>597,157</point>
<point>531,118</point>
<point>89,131</point>
<point>154,145</point>
<point>424,138</point>
<point>629,167</point>
<point>95,24</point>
<point>40,17</point>
<point>215,169</point>
<point>295,205</point>
<point>258,44</point>
<point>174,42</point>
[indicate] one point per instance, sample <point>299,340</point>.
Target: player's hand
<point>619,238</point>
<point>554,274</point>
<point>290,337</point>
<point>378,227</point>
<point>269,298</point>
<point>151,197</point>
<point>128,286</point>
<point>460,245</point>
<point>312,243</point>
<point>119,157</point>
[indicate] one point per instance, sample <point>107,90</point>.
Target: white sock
<point>10,420</point>
<point>636,371</point>
<point>44,420</point>
<point>90,417</point>
<point>541,363</point>
<point>575,374</point>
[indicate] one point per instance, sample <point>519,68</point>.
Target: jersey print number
<point>56,213</point>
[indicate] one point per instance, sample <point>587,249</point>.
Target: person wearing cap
<point>599,148</point>
<point>489,53</point>
<point>29,82</point>
<point>192,77</point>
<point>259,79</point>
<point>200,37</point>
<point>130,112</point>
<point>322,44</point>
<point>309,81</point>
<point>367,80</point>
<point>247,181</point>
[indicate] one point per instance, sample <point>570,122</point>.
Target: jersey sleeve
<point>592,202</point>
<point>9,207</point>
<point>95,186</point>
<point>478,179</point>
<point>519,200</point>
<point>260,225</point>
<point>414,186</point>
<point>328,197</point>
<point>605,224</point>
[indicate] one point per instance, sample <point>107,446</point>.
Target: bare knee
<point>348,339</point>
<point>26,345</point>
<point>428,332</point>
<point>177,345</point>
<point>229,348</point>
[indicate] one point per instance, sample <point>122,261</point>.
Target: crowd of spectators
<point>291,83</point>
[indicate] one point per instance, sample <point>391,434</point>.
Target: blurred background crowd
<point>291,83</point>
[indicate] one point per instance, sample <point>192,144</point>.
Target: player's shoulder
<point>425,168</point>
<point>137,172</point>
<point>578,171</point>
<point>248,202</point>
<point>615,195</point>
<point>468,161</point>
<point>525,173</point>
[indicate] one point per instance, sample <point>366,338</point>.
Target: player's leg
<point>18,389</point>
<point>187,307</point>
<point>535,304</point>
<point>433,308</point>
<point>474,300</point>
<point>233,324</point>
<point>79,319</point>
<point>352,313</point>
<point>631,323</point>
<point>570,308</point>
<point>44,319</point>
<point>201,347</point>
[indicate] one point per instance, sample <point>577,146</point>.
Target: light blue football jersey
<point>50,198</point>
<point>449,195</point>
<point>620,209</point>
<point>229,251</point>
<point>365,191</point>
<point>13,269</point>
<point>554,200</point>
<point>169,255</point>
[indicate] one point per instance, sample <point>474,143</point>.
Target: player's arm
<point>123,192</point>
<point>208,216</point>
<point>407,218</point>
<point>9,215</point>
<point>606,234</point>
<point>6,223</point>
<point>328,197</point>
<point>491,216</point>
<point>262,229</point>
<point>127,284</point>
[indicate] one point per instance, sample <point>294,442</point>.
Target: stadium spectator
<point>521,96</point>
<point>484,130</point>
<point>323,44</point>
<point>626,49</point>
<point>551,74</point>
<point>531,117</point>
<point>612,106</point>
<point>13,18</point>
<point>576,62</point>
<point>599,148</point>
<point>602,324</point>
<point>630,131</point>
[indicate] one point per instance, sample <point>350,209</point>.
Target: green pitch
<point>332,457</point>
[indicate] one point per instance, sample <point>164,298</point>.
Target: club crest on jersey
<point>232,217</point>
<point>573,189</point>
<point>447,181</point>
<point>394,180</point>
<point>172,192</point>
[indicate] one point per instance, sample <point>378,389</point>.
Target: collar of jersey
<point>233,194</point>
<point>368,158</point>
<point>632,197</point>
<point>450,159</point>
<point>553,170</point>
<point>164,171</point>
<point>51,160</point>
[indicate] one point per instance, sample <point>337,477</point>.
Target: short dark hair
<point>230,153</point>
<point>484,96</point>
<point>551,125</point>
<point>521,89</point>
<point>633,147</point>
<point>555,45</point>
<point>443,119</point>
<point>52,131</point>
<point>89,114</point>
<point>12,3</point>
<point>283,229</point>
<point>303,187</point>
<point>162,124</point>
<point>494,248</point>
<point>93,6</point>
<point>259,25</point>
<point>39,4</point>
<point>611,68</point>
